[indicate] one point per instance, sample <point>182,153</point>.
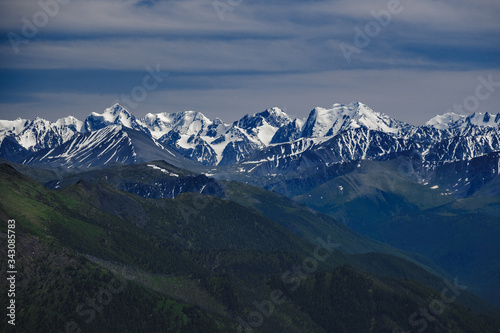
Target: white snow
<point>185,123</point>
<point>163,170</point>
<point>183,142</point>
<point>443,121</point>
<point>455,121</point>
<point>14,126</point>
<point>266,133</point>
<point>37,133</point>
<point>218,148</point>
<point>70,120</point>
<point>351,116</point>
<point>113,115</point>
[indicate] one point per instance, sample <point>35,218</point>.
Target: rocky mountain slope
<point>265,143</point>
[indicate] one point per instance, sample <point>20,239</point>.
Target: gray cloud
<point>264,53</point>
<point>411,96</point>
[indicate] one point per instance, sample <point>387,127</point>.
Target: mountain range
<point>265,143</point>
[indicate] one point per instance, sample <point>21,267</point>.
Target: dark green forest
<point>91,258</point>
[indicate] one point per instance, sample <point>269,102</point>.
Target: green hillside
<point>196,264</point>
<point>460,235</point>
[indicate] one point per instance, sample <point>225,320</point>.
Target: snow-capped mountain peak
<point>13,126</point>
<point>115,115</point>
<point>111,144</point>
<point>191,122</point>
<point>443,121</point>
<point>453,121</point>
<point>328,122</point>
<point>261,127</point>
<point>185,123</point>
<point>70,121</point>
<point>39,133</point>
<point>483,119</point>
<point>274,117</point>
<point>346,132</point>
<point>377,121</point>
<point>319,122</point>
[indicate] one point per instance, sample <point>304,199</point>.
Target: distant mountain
<point>329,122</point>
<point>11,150</point>
<point>270,142</point>
<point>188,132</point>
<point>454,122</point>
<point>39,134</point>
<point>351,133</point>
<point>213,142</point>
<point>113,144</point>
<point>115,115</point>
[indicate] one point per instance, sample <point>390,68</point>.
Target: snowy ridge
<point>39,133</point>
<point>13,126</point>
<point>444,121</point>
<point>109,145</point>
<point>214,142</point>
<point>115,115</point>
<point>185,123</point>
<point>329,122</point>
<point>104,146</point>
<point>457,122</point>
<point>338,134</point>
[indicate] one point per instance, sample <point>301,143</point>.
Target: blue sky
<point>88,53</point>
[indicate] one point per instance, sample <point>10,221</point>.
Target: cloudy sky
<point>227,58</point>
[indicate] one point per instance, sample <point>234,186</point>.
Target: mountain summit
<point>115,115</point>
<point>328,122</point>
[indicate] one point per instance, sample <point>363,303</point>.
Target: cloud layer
<point>418,62</point>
